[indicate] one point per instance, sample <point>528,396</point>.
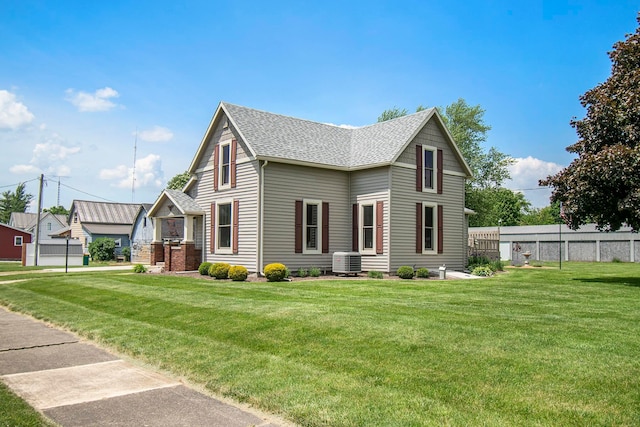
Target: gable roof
<point>27,220</point>
<point>19,230</point>
<point>182,201</point>
<point>104,212</point>
<point>270,136</point>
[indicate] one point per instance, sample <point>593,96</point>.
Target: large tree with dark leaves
<point>602,185</point>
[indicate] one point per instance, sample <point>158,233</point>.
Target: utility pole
<point>38,220</point>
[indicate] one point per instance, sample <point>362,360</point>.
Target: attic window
<point>75,217</point>
<point>225,124</point>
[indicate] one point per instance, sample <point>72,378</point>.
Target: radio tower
<point>133,174</point>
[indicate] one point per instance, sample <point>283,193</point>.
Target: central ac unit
<point>347,262</point>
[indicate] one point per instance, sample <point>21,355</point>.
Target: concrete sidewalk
<point>77,384</point>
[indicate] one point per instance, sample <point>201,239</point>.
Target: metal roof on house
<point>105,212</point>
<point>27,220</point>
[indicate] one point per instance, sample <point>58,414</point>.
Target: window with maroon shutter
<point>428,228</point>
<point>355,212</point>
<point>236,217</point>
<point>428,169</point>
<point>418,167</point>
<point>440,230</point>
<point>212,243</point>
<point>298,227</point>
<point>440,170</point>
<point>232,165</point>
<point>216,166</point>
<point>325,227</point>
<point>379,227</point>
<point>419,228</point>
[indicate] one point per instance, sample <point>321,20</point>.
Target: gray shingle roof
<point>288,138</point>
<point>105,212</point>
<point>183,201</point>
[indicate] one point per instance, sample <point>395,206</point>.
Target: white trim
<point>454,173</point>
<point>372,249</point>
<point>318,204</point>
<point>218,248</point>
<point>15,240</point>
<point>434,227</point>
<point>209,166</point>
<point>221,146</point>
<point>434,169</point>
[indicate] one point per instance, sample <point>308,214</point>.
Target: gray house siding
<point>141,238</point>
<point>283,185</point>
<point>372,185</point>
<point>403,213</point>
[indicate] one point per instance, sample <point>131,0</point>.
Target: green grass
<point>15,412</point>
<point>528,347</point>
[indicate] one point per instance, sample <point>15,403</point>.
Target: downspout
<point>261,225</point>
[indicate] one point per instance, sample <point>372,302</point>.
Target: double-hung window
<point>312,223</point>
<point>224,227</point>
<point>428,168</point>
<point>368,229</point>
<point>429,228</point>
<point>225,164</point>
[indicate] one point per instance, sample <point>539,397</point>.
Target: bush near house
<point>405,272</point>
<point>422,273</point>
<point>219,270</point>
<point>238,273</point>
<point>126,253</point>
<point>102,249</point>
<point>275,272</point>
<point>375,274</point>
<point>139,268</point>
<point>314,272</point>
<point>204,267</point>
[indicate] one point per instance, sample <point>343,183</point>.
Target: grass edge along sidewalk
<point>530,347</point>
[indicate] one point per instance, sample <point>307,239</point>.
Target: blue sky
<point>79,79</point>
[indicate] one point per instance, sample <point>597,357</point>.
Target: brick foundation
<point>182,257</point>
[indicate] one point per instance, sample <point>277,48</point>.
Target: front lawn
<point>529,347</point>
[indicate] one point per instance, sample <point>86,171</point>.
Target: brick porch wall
<point>184,257</point>
<point>157,253</point>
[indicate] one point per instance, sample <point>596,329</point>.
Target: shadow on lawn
<point>626,281</point>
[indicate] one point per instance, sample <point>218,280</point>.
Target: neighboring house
<point>11,241</point>
<point>91,220</point>
<point>142,236</point>
<point>558,242</point>
<point>269,188</point>
<point>50,225</point>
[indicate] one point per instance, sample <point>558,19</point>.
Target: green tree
<point>393,113</point>
<point>543,216</point>
<point>497,205</point>
<point>17,201</point>
<point>179,181</point>
<point>57,210</point>
<point>602,185</point>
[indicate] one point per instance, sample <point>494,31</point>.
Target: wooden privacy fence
<point>484,243</point>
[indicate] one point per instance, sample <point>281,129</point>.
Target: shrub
<point>314,272</point>
<point>275,272</point>
<point>483,271</point>
<point>497,265</point>
<point>102,249</point>
<point>405,272</point>
<point>238,273</point>
<point>139,268</point>
<point>126,253</point>
<point>203,269</point>
<point>423,273</point>
<point>616,260</point>
<point>219,270</point>
<point>302,272</point>
<point>375,275</point>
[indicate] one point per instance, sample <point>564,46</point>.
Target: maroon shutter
<point>325,227</point>
<point>419,228</point>
<point>212,244</point>
<point>354,229</point>
<point>379,227</point>
<point>418,167</point>
<point>440,171</point>
<point>298,227</point>
<point>440,231</point>
<point>236,216</point>
<point>216,166</point>
<point>234,149</point>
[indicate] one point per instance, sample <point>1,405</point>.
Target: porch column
<point>157,230</point>
<point>188,229</point>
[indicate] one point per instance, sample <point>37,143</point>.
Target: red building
<point>11,241</point>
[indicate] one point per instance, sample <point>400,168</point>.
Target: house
<point>142,236</point>
<point>11,241</point>
<point>50,224</point>
<point>269,188</point>
<point>90,220</point>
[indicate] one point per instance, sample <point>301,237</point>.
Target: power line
<point>23,182</point>
<point>88,194</point>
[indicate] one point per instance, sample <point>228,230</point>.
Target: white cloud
<point>156,134</point>
<point>343,126</point>
<point>525,174</point>
<point>148,173</point>
<point>13,114</point>
<point>48,157</point>
<point>97,101</point>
